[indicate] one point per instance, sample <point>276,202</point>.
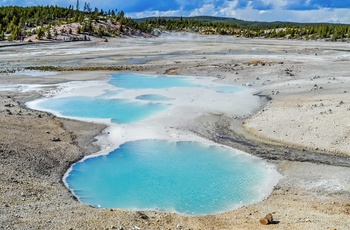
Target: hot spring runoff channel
<point>154,166</point>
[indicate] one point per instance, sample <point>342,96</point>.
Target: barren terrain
<point>302,127</point>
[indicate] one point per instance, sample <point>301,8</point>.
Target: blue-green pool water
<point>135,81</point>
<point>188,177</point>
<point>120,111</point>
<point>153,97</point>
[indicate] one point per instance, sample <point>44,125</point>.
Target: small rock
<point>264,221</point>
<point>142,215</point>
<point>56,139</point>
<point>9,105</point>
<point>267,220</point>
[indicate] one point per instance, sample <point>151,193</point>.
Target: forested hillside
<point>230,26</point>
<point>47,22</point>
<point>53,22</point>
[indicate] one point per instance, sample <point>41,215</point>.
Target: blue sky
<point>335,11</point>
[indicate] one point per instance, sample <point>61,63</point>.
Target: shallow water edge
<point>177,136</point>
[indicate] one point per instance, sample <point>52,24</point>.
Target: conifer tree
<point>2,35</point>
<point>77,6</point>
<point>100,31</point>
<point>40,33</point>
<point>15,33</point>
<point>55,33</point>
<point>48,33</point>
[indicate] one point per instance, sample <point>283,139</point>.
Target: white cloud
<point>278,13</point>
<point>155,13</point>
<point>252,10</point>
<point>205,10</point>
<point>228,9</point>
<point>278,3</point>
<point>322,15</point>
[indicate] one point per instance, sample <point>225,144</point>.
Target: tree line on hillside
<point>17,22</point>
<point>330,32</point>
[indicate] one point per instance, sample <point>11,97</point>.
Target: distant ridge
<point>238,22</point>
<point>209,25</point>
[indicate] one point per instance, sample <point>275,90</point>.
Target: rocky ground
<point>302,128</point>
